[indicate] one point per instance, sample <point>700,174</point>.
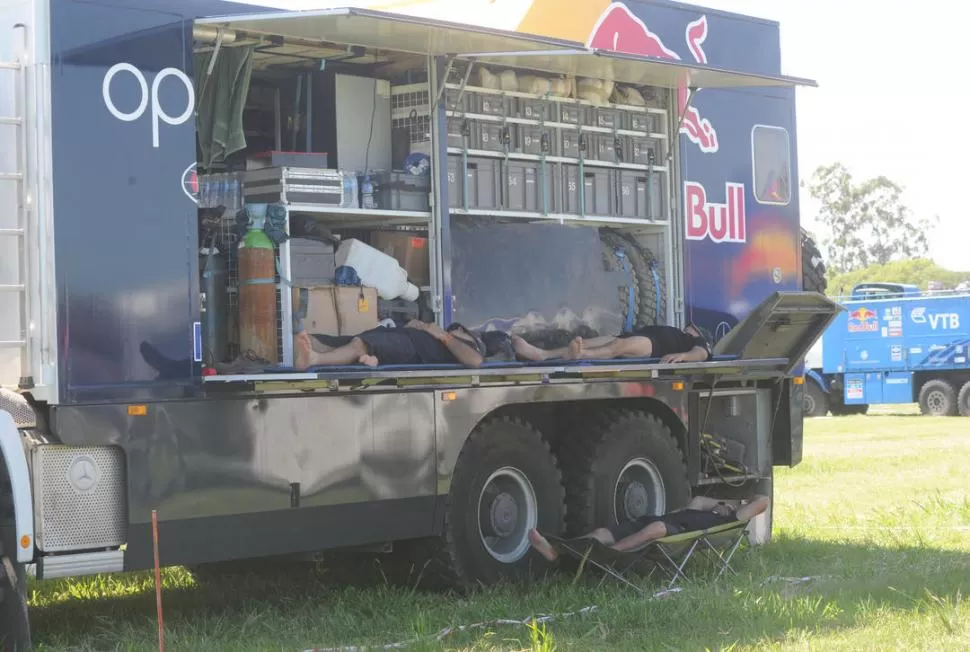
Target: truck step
<point>11,120</point>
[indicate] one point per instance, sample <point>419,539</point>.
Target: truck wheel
<point>963,400</point>
<point>14,623</point>
<point>938,398</point>
<point>813,267</point>
<point>505,483</point>
<point>625,467</point>
<point>815,402</point>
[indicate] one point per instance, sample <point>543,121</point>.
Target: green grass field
<point>877,516</point>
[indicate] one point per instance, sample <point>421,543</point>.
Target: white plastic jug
<point>377,270</point>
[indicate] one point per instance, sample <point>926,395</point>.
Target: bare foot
<point>542,546</point>
<point>525,350</point>
<point>369,360</point>
<point>303,349</point>
<point>575,349</point>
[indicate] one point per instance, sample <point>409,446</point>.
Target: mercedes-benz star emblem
<point>83,474</point>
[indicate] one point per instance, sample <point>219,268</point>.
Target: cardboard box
<point>334,310</point>
<point>410,251</point>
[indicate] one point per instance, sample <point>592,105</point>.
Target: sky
<point>909,76</point>
<point>893,77</point>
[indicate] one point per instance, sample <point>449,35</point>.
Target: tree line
<point>868,234</point>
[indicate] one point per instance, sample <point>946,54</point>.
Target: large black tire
<point>14,621</point>
<point>489,500</point>
<point>813,266</point>
<point>649,285</point>
<point>816,402</point>
<point>938,398</point>
<point>963,400</point>
<point>625,466</point>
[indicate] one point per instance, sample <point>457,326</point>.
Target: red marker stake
<point>158,584</point>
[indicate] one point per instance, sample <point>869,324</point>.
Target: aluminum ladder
<point>20,232</point>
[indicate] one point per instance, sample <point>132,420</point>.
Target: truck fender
<point>819,380</point>
<point>15,460</point>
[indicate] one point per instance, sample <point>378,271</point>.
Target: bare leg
<point>353,352</point>
<point>544,548</point>
<point>530,352</point>
<point>626,347</point>
<point>655,530</point>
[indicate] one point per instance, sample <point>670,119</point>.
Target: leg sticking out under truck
<point>534,171</point>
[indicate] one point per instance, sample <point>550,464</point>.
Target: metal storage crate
<point>489,104</point>
<point>301,186</point>
<point>574,114</point>
<point>640,194</point>
<point>462,133</point>
<point>399,191</point>
<point>597,190</point>
<point>642,151</point>
<point>481,182</point>
<point>311,262</point>
<point>570,143</point>
<point>644,122</point>
<point>531,187</point>
<point>605,147</point>
<point>536,140</point>
<point>530,109</point>
<point>607,117</point>
<point>493,136</point>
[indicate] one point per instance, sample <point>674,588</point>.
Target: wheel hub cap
<point>639,491</point>
<point>504,514</point>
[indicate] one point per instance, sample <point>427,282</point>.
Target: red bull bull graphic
<point>863,320</point>
<point>710,220</point>
<point>620,30</point>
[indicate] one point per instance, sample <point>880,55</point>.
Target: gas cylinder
<point>257,290</point>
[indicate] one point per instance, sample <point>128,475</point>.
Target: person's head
<point>698,331</point>
<point>468,337</point>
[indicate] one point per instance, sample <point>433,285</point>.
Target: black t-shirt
<point>670,339</point>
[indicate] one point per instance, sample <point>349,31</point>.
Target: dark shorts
<point>397,346</point>
<point>688,520</point>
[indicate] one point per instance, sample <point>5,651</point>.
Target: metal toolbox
<point>641,151</point>
<point>493,136</point>
<point>489,104</point>
<point>462,133</point>
<point>597,190</point>
<point>311,262</point>
<point>400,191</point>
<point>574,114</point>
<point>480,183</point>
<point>530,109</point>
<point>536,140</point>
<point>569,143</point>
<point>531,187</point>
<point>640,194</point>
<point>605,147</point>
<point>607,117</point>
<point>301,186</point>
<point>643,122</point>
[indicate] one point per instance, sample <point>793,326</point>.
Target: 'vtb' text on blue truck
<point>542,172</point>
<point>893,344</point>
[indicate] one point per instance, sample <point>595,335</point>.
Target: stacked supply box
<point>548,155</point>
<point>334,188</point>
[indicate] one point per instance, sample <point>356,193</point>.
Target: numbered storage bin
<point>596,194</point>
<point>531,187</point>
<point>640,194</point>
<point>478,182</point>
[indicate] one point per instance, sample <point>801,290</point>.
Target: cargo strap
<point>631,301</point>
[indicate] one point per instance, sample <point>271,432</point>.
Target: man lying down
<point>420,343</point>
<point>668,343</point>
<point>416,343</point>
<point>701,513</point>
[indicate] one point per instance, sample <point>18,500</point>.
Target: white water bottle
<point>376,269</point>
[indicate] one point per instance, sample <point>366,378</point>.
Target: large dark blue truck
<point>616,165</point>
<point>893,344</point>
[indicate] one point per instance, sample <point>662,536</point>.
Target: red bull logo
<point>863,320</point>
<point>619,30</point>
<point>709,220</point>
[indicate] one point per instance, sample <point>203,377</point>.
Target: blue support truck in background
<point>893,344</point>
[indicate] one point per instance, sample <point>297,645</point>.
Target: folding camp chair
<point>670,554</point>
